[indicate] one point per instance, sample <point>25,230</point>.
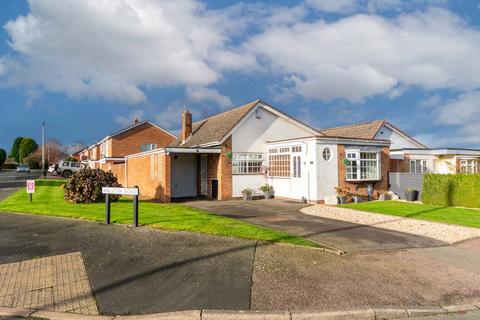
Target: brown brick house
<point>248,146</point>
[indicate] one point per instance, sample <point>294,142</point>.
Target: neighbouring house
<point>110,152</point>
<point>248,146</point>
<point>80,154</point>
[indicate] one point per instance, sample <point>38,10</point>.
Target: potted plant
<point>411,194</point>
<point>267,191</point>
<point>247,194</point>
<point>342,194</point>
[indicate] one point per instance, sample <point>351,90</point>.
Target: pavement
<point>344,236</point>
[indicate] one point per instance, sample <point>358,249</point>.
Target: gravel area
<point>440,231</point>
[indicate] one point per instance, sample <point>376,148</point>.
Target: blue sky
<point>90,67</point>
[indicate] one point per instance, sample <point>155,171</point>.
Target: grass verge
<point>450,215</point>
<point>48,200</point>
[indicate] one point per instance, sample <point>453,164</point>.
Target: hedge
<point>462,190</point>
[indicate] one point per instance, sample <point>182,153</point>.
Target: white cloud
<point>364,55</point>
<point>130,118</point>
<point>337,6</point>
<point>207,94</point>
<point>112,49</point>
<point>463,113</point>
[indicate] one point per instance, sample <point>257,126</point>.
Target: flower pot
<point>411,195</point>
<point>247,197</point>
<point>268,194</point>
<point>357,199</point>
<point>342,199</point>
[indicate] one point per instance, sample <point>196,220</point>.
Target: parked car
<point>67,168</point>
<point>23,168</point>
<point>51,169</point>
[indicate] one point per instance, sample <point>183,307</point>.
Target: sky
<point>88,68</point>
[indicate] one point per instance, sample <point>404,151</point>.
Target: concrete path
<point>345,236</point>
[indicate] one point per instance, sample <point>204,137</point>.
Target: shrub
<point>9,165</point>
<point>71,159</point>
<point>15,149</point>
<point>3,157</point>
<point>86,186</point>
<point>452,190</point>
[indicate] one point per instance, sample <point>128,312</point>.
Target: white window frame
<point>247,163</point>
<point>151,146</point>
<point>421,169</point>
<point>469,166</point>
<point>284,157</point>
<point>355,166</point>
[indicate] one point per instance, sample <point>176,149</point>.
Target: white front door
<point>297,182</point>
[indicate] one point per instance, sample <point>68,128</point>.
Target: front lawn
<point>48,200</point>
<point>460,216</point>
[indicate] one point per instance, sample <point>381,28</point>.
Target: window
<point>155,166</point>
<point>148,147</point>
<point>362,166</point>
<point>297,167</point>
<point>469,166</point>
<point>418,166</point>
<point>247,163</point>
<point>296,149</point>
<point>327,154</point>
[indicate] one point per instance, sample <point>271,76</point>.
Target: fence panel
<point>399,181</point>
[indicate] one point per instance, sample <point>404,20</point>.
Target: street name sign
<point>120,191</point>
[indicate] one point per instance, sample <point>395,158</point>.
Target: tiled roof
<point>215,128</point>
<point>366,130</point>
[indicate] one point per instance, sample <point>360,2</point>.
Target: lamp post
<point>44,171</point>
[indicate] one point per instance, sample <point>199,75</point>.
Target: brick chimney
<point>135,121</point>
<point>186,125</point>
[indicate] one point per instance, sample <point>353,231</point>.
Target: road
<point>12,179</point>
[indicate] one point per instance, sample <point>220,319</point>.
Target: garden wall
<point>399,181</point>
<point>461,190</point>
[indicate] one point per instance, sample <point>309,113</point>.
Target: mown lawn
<point>48,200</point>
<point>451,215</point>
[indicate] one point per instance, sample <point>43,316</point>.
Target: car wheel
<point>67,174</point>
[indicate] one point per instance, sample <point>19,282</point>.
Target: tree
<point>27,147</point>
<point>15,148</point>
<point>3,157</point>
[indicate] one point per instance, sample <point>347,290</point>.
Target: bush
<point>3,157</point>
<point>71,159</point>
<point>15,149</point>
<point>452,190</point>
<point>9,166</point>
<point>33,164</point>
<point>86,186</point>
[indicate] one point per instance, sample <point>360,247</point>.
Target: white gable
<point>399,140</point>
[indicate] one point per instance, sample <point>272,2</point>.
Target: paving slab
<point>286,216</point>
<point>358,314</point>
<point>245,315</point>
<point>179,315</point>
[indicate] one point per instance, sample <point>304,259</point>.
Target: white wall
<point>252,135</point>
<point>398,141</point>
<point>327,171</point>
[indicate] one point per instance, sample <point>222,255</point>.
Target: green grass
<point>48,200</point>
<point>451,215</point>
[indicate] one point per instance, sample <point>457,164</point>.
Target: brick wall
<point>224,172</point>
<point>130,142</point>
<point>152,186</point>
<point>118,170</point>
<point>361,187</point>
<point>400,165</point>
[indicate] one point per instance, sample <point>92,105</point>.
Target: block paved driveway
<point>344,236</point>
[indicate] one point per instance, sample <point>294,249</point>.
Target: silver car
<point>23,168</point>
<point>67,168</point>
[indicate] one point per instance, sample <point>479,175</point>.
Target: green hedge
<point>461,190</point>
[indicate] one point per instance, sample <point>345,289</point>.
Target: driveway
<point>340,235</point>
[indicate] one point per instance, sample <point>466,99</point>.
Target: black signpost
<point>121,191</point>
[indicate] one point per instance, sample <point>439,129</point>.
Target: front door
<point>204,175</point>
<point>297,186</point>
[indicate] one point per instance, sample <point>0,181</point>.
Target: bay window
<point>362,166</point>
<point>247,163</point>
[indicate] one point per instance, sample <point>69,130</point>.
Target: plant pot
<point>411,195</point>
<point>357,199</point>
<point>382,197</point>
<point>247,197</point>
<point>268,194</point>
<point>341,199</point>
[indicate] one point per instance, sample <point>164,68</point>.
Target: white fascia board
<point>329,140</point>
<point>386,124</point>
<point>274,111</point>
<point>439,152</point>
<point>192,150</point>
<point>153,124</point>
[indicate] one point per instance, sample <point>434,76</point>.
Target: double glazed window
<point>247,163</point>
<point>362,166</point>
<point>148,147</point>
<point>418,166</point>
<point>469,166</point>
<point>285,162</point>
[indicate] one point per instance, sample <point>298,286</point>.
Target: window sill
<point>247,174</point>
<point>362,180</point>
